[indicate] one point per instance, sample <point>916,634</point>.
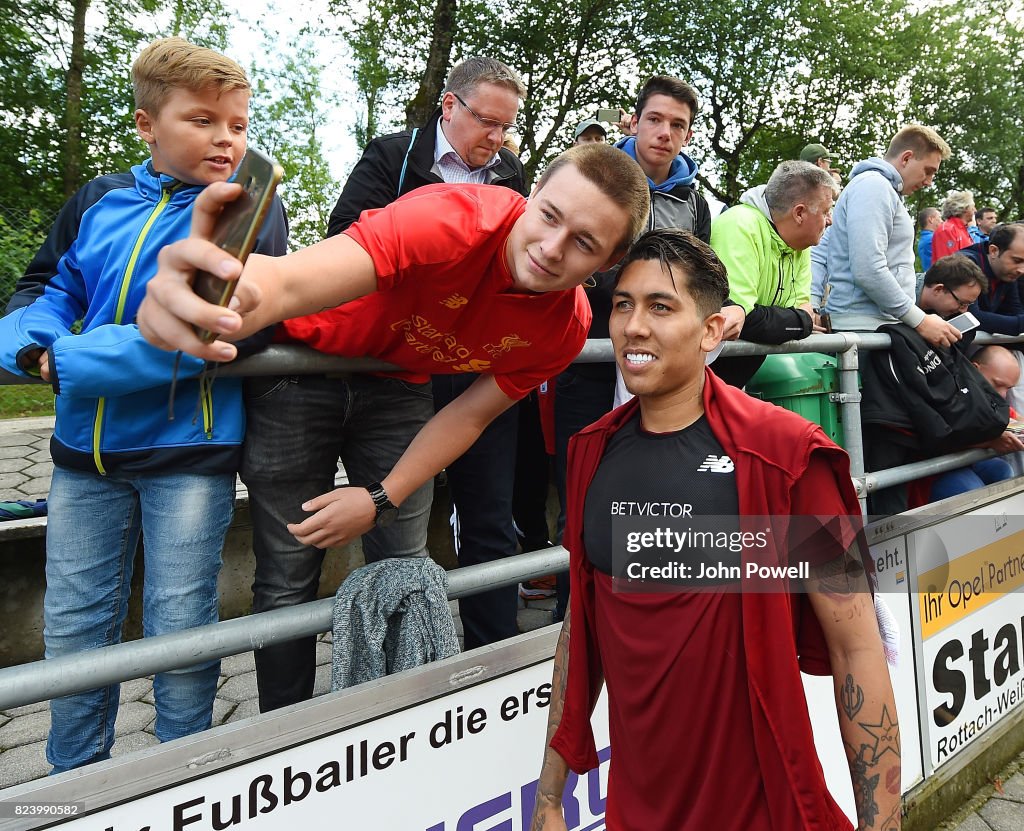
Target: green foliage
<point>980,112</point>
<point>390,40</point>
<point>25,400</point>
<point>288,113</point>
<point>35,57</point>
<point>574,57</point>
<point>19,242</point>
<point>773,75</point>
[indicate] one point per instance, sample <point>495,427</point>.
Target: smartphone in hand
<point>239,224</point>
<point>964,322</point>
<point>609,115</point>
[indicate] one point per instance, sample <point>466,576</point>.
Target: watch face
<point>386,517</point>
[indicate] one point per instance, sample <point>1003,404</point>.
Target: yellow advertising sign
<point>952,591</point>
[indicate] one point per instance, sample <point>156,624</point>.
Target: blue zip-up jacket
<point>675,203</point>
<point>924,249</point>
<point>113,388</point>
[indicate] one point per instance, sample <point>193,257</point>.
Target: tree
<point>574,57</point>
<point>980,113</point>
<point>66,101</point>
<point>288,110</point>
<point>422,104</point>
<point>774,75</point>
<point>389,40</point>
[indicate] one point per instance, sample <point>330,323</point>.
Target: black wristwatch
<point>386,512</point>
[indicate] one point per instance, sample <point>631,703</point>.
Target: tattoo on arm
<point>864,786</point>
<point>873,752</point>
<point>852,698</point>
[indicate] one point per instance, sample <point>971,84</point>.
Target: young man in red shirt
<point>704,685</point>
<point>448,279</point>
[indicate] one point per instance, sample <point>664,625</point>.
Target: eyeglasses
<point>488,123</point>
<point>960,303</point>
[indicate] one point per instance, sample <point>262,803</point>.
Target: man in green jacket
<point>764,242</point>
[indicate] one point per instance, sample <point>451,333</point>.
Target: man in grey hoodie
<point>871,245</point>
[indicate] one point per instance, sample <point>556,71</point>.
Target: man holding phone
<point>460,144</point>
<point>951,286</point>
<point>448,280</point>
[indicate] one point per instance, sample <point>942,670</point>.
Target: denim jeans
<point>972,477</point>
<point>91,536</point>
<point>481,484</point>
<point>297,427</point>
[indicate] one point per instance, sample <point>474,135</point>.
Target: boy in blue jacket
<point>133,453</point>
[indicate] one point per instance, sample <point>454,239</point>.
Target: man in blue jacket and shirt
<point>999,309</point>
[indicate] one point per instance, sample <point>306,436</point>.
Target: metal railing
<point>42,680</point>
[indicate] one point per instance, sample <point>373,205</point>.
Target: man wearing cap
<point>816,154</point>
<point>590,130</point>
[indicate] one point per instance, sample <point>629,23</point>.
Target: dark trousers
<point>533,475</point>
<point>481,483</point>
<point>297,428</point>
<point>579,400</point>
<point>885,448</point>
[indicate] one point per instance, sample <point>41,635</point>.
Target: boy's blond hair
<point>174,63</point>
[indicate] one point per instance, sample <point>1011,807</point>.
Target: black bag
<point>946,400</point>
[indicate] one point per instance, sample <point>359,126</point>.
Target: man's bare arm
<point>864,700</point>
<point>547,809</point>
<point>344,514</point>
<point>325,275</point>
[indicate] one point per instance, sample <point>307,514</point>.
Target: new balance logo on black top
<point>716,464</point>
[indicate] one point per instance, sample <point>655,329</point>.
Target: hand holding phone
<point>609,115</point>
<point>239,224</point>
<point>964,322</point>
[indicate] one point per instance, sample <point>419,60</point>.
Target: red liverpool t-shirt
<point>445,301</point>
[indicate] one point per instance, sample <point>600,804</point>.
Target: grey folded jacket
<point>389,616</point>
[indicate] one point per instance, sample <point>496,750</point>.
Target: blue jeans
<point>297,427</point>
<point>91,536</point>
<point>972,477</point>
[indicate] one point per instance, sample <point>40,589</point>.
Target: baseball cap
<point>586,124</point>
<point>813,152</point>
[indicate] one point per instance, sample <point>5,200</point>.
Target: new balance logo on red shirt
<point>716,464</point>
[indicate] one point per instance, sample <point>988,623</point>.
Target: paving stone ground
<point>998,806</point>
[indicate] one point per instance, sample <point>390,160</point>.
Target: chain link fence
<point>21,234</point>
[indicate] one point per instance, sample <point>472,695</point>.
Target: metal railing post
<point>853,432</point>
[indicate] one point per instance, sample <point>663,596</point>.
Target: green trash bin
<point>801,383</point>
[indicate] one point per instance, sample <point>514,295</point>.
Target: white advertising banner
<point>969,607</point>
<point>464,762</point>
